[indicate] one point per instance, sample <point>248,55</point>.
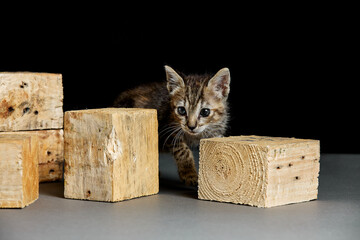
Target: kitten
<point>189,108</point>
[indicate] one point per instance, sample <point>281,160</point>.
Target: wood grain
<point>19,178</point>
<point>51,153</point>
<point>30,101</point>
<point>259,171</point>
<point>111,154</point>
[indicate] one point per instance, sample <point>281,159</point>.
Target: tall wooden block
<point>111,154</point>
<point>30,101</point>
<point>51,153</point>
<point>259,171</point>
<point>19,176</point>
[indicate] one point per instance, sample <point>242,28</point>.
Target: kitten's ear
<point>174,81</point>
<point>220,83</point>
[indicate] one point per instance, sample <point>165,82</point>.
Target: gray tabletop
<point>175,213</point>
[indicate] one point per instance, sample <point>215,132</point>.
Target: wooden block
<point>51,153</point>
<point>111,154</point>
<point>259,171</point>
<point>19,178</point>
<point>30,101</point>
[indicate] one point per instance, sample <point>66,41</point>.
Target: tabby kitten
<point>190,107</point>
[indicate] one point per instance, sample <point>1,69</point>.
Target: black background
<point>291,70</point>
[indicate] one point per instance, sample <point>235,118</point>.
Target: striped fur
<point>193,93</point>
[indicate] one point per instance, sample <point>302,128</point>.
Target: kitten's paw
<point>190,179</point>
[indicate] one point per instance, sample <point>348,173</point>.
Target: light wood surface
<point>30,101</point>
<point>50,154</point>
<point>111,154</point>
<point>259,171</point>
<point>19,178</point>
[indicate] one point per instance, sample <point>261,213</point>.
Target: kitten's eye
<point>181,111</point>
<point>205,112</point>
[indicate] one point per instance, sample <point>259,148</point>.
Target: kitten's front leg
<point>186,165</point>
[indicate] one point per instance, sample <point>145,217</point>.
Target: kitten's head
<point>199,101</point>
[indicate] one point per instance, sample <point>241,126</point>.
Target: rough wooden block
<point>30,101</point>
<point>259,171</point>
<point>19,176</point>
<point>51,153</point>
<point>111,154</point>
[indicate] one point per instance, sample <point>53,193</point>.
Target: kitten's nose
<point>191,127</point>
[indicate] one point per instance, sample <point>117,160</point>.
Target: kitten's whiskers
<point>172,133</point>
<point>168,128</point>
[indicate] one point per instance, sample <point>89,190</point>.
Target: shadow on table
<point>174,186</point>
<point>167,185</point>
<point>54,189</point>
